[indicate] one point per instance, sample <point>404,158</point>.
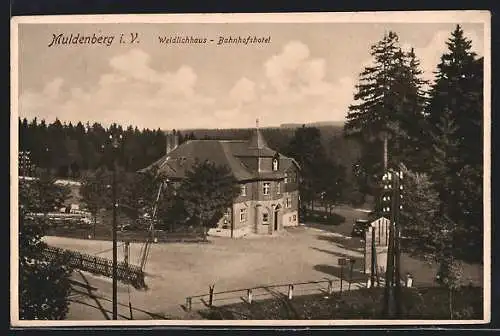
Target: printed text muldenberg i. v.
<point>107,40</point>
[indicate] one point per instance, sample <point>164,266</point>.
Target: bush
<point>44,285</point>
<point>322,217</point>
<point>418,303</point>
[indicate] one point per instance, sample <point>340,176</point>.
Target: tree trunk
<point>385,152</point>
<point>95,223</point>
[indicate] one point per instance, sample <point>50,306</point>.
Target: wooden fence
<point>289,290</point>
<point>126,273</point>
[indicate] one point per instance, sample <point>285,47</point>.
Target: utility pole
<point>388,198</point>
<point>392,197</point>
<point>374,258</point>
<point>115,143</point>
<point>397,250</point>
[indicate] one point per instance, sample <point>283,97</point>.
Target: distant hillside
<point>314,124</point>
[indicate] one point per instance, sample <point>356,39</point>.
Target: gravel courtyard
<point>177,270</point>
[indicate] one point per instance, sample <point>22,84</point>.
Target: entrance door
<point>276,220</point>
<point>276,217</point>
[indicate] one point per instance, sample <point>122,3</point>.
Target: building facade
<point>269,181</point>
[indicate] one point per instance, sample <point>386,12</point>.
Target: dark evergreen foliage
<point>389,103</point>
<point>206,192</point>
<point>44,285</point>
<point>455,137</point>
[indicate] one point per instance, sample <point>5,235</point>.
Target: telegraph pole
<point>391,199</point>
<point>115,144</point>
<point>397,250</point>
<point>115,257</point>
<point>388,306</point>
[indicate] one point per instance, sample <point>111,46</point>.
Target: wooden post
<point>330,287</point>
<point>341,262</point>
<point>188,303</point>
<point>126,252</point>
<point>352,261</point>
<point>290,292</point>
<point>211,295</point>
<point>341,277</point>
<point>374,258</point>
<point>95,263</point>
<point>409,280</point>
<point>249,296</point>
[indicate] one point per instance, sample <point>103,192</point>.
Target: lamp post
<point>115,142</point>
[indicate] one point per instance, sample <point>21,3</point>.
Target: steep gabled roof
<point>257,140</point>
<point>222,152</point>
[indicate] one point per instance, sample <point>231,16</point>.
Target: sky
<point>306,73</point>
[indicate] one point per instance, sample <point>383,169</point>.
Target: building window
<point>243,190</point>
<point>294,218</point>
<point>288,203</point>
<point>265,218</point>
<point>275,164</point>
<point>243,215</point>
<point>278,188</point>
<point>265,188</point>
<point>286,177</point>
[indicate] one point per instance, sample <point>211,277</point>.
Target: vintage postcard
<point>251,169</point>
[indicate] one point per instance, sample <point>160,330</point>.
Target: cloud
<point>294,88</point>
<point>430,54</point>
<point>130,91</point>
<point>302,90</point>
<point>281,69</point>
<point>243,91</point>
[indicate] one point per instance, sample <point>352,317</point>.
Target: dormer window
<point>275,164</point>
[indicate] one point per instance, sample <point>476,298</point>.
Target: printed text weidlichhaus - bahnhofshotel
<point>250,39</point>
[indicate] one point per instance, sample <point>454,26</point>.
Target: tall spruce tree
<point>389,105</point>
<point>413,99</point>
<point>457,97</point>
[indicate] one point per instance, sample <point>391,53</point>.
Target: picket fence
<point>126,273</point>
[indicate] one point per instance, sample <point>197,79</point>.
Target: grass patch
<point>429,303</point>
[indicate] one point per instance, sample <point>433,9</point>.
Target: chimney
<point>172,141</point>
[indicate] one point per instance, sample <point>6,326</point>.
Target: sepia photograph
<point>251,169</point>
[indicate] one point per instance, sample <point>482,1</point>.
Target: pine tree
<point>413,99</point>
<point>429,234</point>
<point>457,97</point>
<point>369,118</point>
<point>390,100</point>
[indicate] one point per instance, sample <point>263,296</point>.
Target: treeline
<point>68,150</point>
